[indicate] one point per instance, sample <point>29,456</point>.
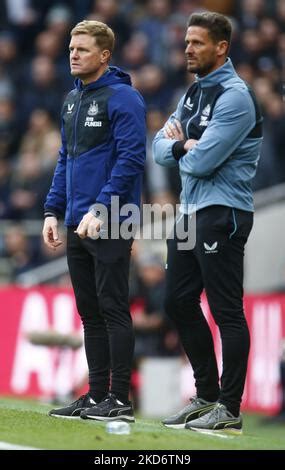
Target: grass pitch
<point>26,423</point>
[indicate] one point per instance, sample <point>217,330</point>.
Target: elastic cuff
<point>50,214</point>
<point>178,149</point>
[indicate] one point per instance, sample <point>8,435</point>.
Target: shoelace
<point>215,413</point>
<point>192,400</point>
<point>195,400</point>
<point>80,400</point>
<point>105,404</point>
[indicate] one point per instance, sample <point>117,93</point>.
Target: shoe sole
<point>64,417</point>
<point>175,426</point>
<point>227,431</point>
<point>129,419</point>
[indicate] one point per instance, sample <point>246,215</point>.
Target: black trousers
<point>216,265</point>
<point>99,271</point>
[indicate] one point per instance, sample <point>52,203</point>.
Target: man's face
<point>87,60</point>
<point>202,53</point>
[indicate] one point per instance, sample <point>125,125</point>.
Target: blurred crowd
<point>35,78</point>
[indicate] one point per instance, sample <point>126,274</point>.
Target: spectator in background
<point>25,17</point>
<point>154,26</point>
<point>51,45</point>
<point>108,12</point>
<point>5,181</point>
<point>280,14</point>
<point>20,251</point>
<point>250,12</point>
<point>157,188</point>
<point>10,62</point>
<point>42,137</point>
<point>53,42</point>
<point>44,89</point>
<point>133,55</point>
<point>222,6</point>
<point>9,128</point>
<point>148,315</point>
<point>155,90</point>
<point>272,163</point>
<point>59,20</point>
<point>29,186</point>
<point>3,15</point>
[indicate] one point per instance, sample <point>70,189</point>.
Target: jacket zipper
<point>74,150</point>
<point>196,114</point>
<point>187,127</point>
<point>75,124</point>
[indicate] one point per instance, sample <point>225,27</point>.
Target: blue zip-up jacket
<point>103,147</point>
<point>221,112</point>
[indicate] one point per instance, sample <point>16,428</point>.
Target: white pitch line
<point>215,434</point>
<point>8,446</point>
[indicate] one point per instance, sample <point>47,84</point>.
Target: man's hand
<point>173,130</point>
<point>50,233</point>
<point>89,226</point>
<point>189,144</point>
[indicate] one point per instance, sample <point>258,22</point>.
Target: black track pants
<point>216,265</point>
<point>99,271</point>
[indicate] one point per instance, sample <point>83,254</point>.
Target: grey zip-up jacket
<point>221,112</point>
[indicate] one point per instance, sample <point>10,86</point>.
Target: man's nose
<point>73,53</point>
<point>188,49</point>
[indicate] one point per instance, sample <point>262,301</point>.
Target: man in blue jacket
<point>102,157</point>
<point>214,136</point>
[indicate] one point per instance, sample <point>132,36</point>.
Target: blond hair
<point>105,38</point>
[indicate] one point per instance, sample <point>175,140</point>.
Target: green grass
<point>25,422</point>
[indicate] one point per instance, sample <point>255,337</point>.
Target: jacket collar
<point>223,73</point>
<point>112,76</point>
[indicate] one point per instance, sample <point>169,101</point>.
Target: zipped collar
<point>112,76</point>
<point>223,73</point>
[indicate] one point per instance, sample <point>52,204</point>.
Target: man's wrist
<point>178,149</point>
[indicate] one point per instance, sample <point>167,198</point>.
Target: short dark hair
<point>219,27</point>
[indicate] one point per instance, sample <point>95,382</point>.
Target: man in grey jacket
<point>214,136</point>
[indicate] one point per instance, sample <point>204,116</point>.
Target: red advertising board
<point>32,370</point>
<point>41,371</point>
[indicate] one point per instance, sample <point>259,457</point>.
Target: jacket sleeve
<point>128,124</point>
<point>56,198</point>
<point>232,120</point>
<point>162,147</point>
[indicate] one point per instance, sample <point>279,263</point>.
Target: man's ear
<point>222,48</point>
<point>105,56</point>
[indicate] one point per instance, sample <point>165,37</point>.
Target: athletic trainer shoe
<point>195,409</point>
<point>74,409</point>
<point>218,420</point>
<point>110,409</point>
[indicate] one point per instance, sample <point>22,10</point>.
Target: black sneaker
<point>110,409</point>
<point>218,420</point>
<point>74,409</point>
<point>195,409</point>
